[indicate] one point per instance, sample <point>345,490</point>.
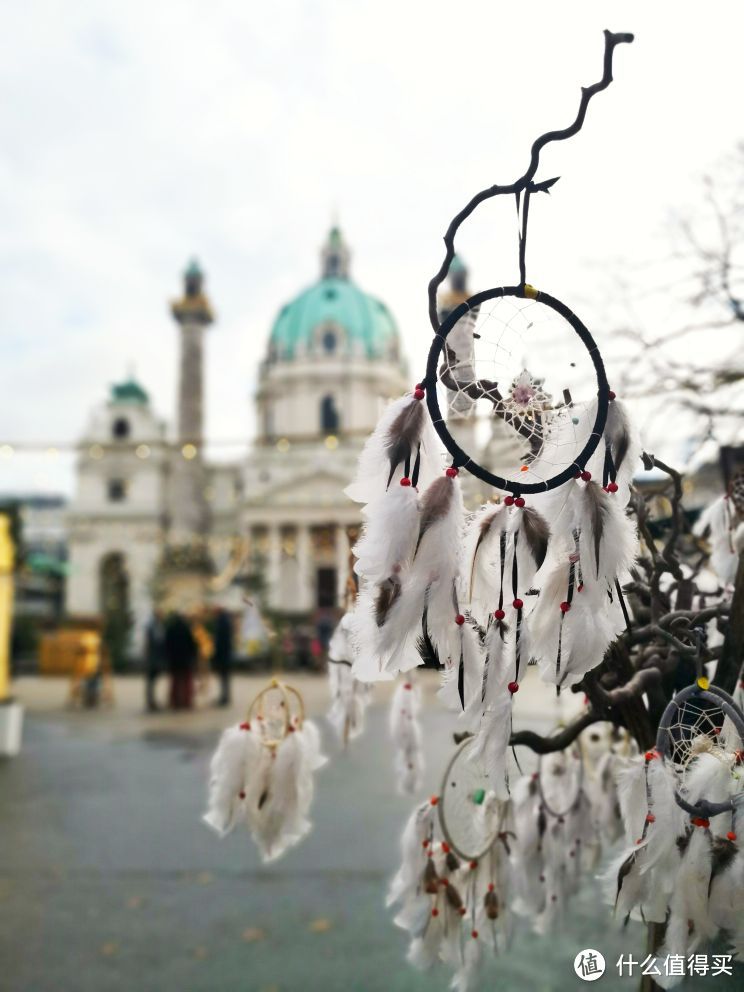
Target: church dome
<point>334,316</point>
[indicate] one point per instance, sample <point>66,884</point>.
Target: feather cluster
<point>405,732</point>
<point>349,697</point>
<point>547,838</point>
<point>269,789</point>
<point>687,872</point>
<point>454,910</point>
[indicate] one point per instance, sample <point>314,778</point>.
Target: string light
<point>142,451</point>
<point>283,445</point>
<point>189,451</point>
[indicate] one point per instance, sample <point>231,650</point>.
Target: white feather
<point>231,764</point>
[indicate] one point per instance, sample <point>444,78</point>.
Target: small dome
<point>334,315</point>
<point>129,392</point>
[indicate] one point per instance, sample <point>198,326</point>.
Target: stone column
<point>304,567</point>
<point>342,564</point>
<point>274,559</point>
<point>193,314</point>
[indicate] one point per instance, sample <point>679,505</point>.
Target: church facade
<point>150,508</point>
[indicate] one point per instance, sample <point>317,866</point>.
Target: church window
<point>117,490</point>
<point>120,428</point>
<point>329,418</point>
<point>329,342</point>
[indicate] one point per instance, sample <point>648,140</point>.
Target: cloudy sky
<point>136,134</point>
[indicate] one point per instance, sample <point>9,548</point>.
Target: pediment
<point>308,489</point>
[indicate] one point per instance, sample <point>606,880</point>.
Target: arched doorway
<point>113,603</point>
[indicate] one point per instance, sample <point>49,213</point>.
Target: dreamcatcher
<point>682,803</point>
<point>723,524</point>
<point>262,772</point>
<point>349,696</point>
<point>452,891</point>
<point>536,575</point>
<point>472,862</point>
<point>406,735</point>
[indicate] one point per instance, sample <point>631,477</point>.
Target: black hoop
<point>728,707</point>
<point>460,458</point>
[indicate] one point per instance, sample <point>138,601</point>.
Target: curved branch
<point>546,745</point>
<point>524,183</point>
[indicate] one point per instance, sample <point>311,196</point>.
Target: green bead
<point>478,796</point>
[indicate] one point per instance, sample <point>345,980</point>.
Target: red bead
<point>508,500</point>
<point>499,614</point>
<point>519,501</point>
<point>419,393</point>
<point>435,912</point>
<point>424,843</point>
<point>650,818</point>
<point>405,481</point>
<point>434,800</point>
<point>474,934</point>
<point>580,587</point>
<point>513,687</point>
<point>640,840</point>
<point>445,847</point>
<point>462,911</point>
<point>291,729</point>
<point>517,604</point>
<point>565,607</point>
<point>241,794</point>
<point>612,487</point>
<point>700,821</point>
<point>731,835</point>
<point>452,472</point>
<point>473,865</point>
<point>459,619</point>
<point>611,395</point>
<point>490,886</point>
<point>245,726</point>
<point>650,755</point>
<point>586,476</point>
<point>407,685</point>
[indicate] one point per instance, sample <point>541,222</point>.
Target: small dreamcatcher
<point>262,772</point>
<point>701,735</point>
<point>453,889</point>
<point>681,802</point>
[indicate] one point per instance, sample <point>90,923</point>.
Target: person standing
<point>181,654</point>
<point>154,657</point>
<point>222,658</point>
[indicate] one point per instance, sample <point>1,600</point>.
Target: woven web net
<point>520,365</point>
<point>469,810</point>
<point>701,727</point>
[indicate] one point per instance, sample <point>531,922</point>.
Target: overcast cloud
<point>136,134</point>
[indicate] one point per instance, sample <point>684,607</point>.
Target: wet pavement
<point>109,880</point>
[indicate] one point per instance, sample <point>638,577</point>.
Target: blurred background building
<point>152,521</point>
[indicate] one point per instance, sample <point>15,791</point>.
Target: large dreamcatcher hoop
<point>541,417</point>
<point>523,403</point>
<point>468,816</point>
<point>702,720</point>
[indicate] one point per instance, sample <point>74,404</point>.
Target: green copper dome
<point>129,392</point>
<point>334,315</point>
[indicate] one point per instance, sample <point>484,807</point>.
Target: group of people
<point>186,646</point>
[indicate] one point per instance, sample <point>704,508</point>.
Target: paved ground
<point>109,881</point>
